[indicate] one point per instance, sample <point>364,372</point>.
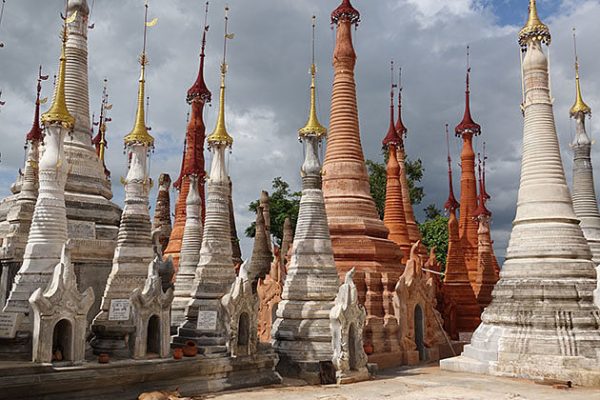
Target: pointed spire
<point>313,126</point>
<point>451,204</point>
<point>199,91</point>
<point>58,112</point>
<point>35,134</point>
<point>467,124</point>
<point>485,193</point>
<point>483,197</point>
<point>139,133</point>
<point>400,128</point>
<point>99,141</point>
<point>391,137</point>
<point>345,11</point>
<point>220,134</point>
<point>580,107</point>
<point>534,28</point>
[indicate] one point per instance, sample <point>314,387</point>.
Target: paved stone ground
<point>418,384</point>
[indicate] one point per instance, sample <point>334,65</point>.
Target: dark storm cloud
<point>267,84</point>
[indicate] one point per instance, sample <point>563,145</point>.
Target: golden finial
<point>313,127</point>
<point>58,112</point>
<point>139,133</point>
<point>220,135</point>
<point>534,28</point>
<point>579,106</point>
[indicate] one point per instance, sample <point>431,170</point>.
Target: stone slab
<point>8,325</point>
<point>125,380</point>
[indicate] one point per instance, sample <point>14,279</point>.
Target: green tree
<point>378,179</point>
<point>283,203</point>
<point>435,234</point>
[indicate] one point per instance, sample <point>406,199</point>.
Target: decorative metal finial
<point>1,15</point>
<point>534,29</point>
<point>313,127</point>
<point>220,134</point>
<point>580,107</point>
<point>139,133</point>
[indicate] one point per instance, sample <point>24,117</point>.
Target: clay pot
<point>178,353</point>
<point>190,349</point>
<point>103,358</point>
<point>368,347</point>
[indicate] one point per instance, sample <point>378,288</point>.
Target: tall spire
<point>534,28</point>
<point>220,134</point>
<point>313,126</point>
<point>99,141</point>
<point>451,204</point>
<point>579,107</point>
<point>58,112</point>
<point>35,134</point>
<point>345,11</point>
<point>467,124</point>
<point>199,91</point>
<point>481,209</point>
<point>400,128</point>
<point>391,138</point>
<point>139,133</point>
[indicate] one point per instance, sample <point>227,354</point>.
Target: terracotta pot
<point>190,349</point>
<point>178,353</point>
<point>368,347</point>
<point>103,358</point>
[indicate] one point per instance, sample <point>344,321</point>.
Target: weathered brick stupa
<point>93,220</point>
<point>584,193</point>
<point>205,321</point>
<point>301,333</point>
<point>542,322</point>
<point>414,234</point>
<point>114,326</point>
<point>193,156</point>
<point>394,215</point>
<point>48,231</point>
<point>460,310</point>
<point>162,211</point>
<point>467,224</point>
<point>15,229</point>
<point>190,254</point>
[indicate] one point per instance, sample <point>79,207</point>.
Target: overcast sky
<point>267,88</point>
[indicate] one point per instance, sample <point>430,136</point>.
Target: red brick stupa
<point>460,310</point>
<point>193,157</point>
<point>394,216</point>
<point>358,236</point>
<point>467,225</point>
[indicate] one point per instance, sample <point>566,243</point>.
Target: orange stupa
<point>467,225</point>
<point>394,216</point>
<point>414,234</point>
<point>193,157</point>
<point>358,236</point>
<point>461,313</point>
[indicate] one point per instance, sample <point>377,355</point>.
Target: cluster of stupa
<point>343,290</point>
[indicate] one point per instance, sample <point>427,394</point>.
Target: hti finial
<point>139,133</point>
<point>467,125</point>
<point>534,29</point>
<point>451,204</point>
<point>400,128</point>
<point>313,127</point>
<point>199,91</point>
<point>580,107</point>
<point>391,138</point>
<point>35,134</point>
<point>220,134</point>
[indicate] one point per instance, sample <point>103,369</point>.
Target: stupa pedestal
<point>542,322</point>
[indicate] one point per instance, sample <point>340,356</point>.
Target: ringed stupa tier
<point>15,229</point>
<point>461,313</point>
<point>205,316</point>
<point>114,325</point>
<point>584,193</point>
<point>301,333</point>
<point>542,322</point>
<point>394,215</point>
<point>162,211</point>
<point>359,237</point>
<point>48,231</point>
<point>193,156</point>
<point>467,225</point>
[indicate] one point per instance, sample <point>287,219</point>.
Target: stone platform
<point>125,380</point>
